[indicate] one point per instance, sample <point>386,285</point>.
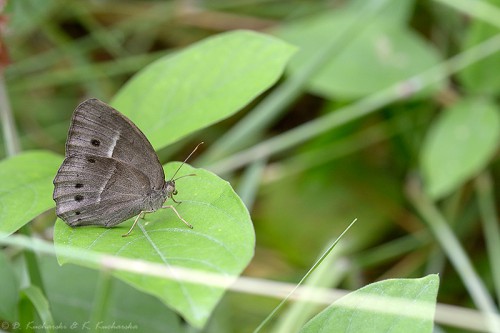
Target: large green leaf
<point>26,189</point>
<point>398,305</point>
<point>222,241</point>
<point>203,84</point>
<point>380,55</point>
<point>459,144</point>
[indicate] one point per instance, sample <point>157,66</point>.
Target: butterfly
<point>110,172</point>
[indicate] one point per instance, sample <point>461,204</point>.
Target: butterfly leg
<point>143,213</point>
<point>178,215</point>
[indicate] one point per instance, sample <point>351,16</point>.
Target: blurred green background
<point>304,196</point>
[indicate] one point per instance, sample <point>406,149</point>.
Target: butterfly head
<point>170,190</point>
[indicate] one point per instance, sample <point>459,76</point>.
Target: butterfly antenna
<point>187,158</point>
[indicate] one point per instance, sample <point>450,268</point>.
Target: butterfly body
<point>110,172</point>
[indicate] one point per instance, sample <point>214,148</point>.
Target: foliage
<point>384,111</point>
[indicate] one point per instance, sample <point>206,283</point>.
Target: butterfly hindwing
<point>98,190</point>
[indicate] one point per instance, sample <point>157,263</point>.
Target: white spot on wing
<point>113,145</point>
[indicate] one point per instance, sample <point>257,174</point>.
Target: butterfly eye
<point>95,142</point>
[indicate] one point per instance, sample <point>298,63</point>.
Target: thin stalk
<point>275,104</point>
<point>391,250</point>
<point>363,107</point>
<point>455,253</point>
<point>101,297</point>
<point>487,209</point>
<point>482,10</point>
<point>60,38</point>
<point>250,182</point>
<point>31,260</point>
<point>304,161</point>
<point>11,137</point>
<point>83,72</point>
<point>331,273</point>
<point>108,39</point>
<point>305,277</point>
<point>13,147</point>
<point>450,315</point>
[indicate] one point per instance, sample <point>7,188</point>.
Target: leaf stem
<point>9,129</point>
<point>250,182</point>
<point>363,107</point>
<point>486,202</point>
<point>13,148</point>
<point>309,272</point>
<point>455,253</point>
<point>101,297</point>
<point>450,315</point>
<point>275,104</point>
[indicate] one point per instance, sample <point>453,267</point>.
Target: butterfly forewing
<point>98,129</point>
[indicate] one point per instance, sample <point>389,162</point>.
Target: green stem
<point>11,136</point>
<point>250,183</point>
<point>13,147</point>
<point>455,253</point>
<point>32,267</point>
<point>309,272</point>
<point>275,104</point>
<point>487,208</point>
<point>101,298</point>
<point>363,107</point>
<point>481,10</point>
